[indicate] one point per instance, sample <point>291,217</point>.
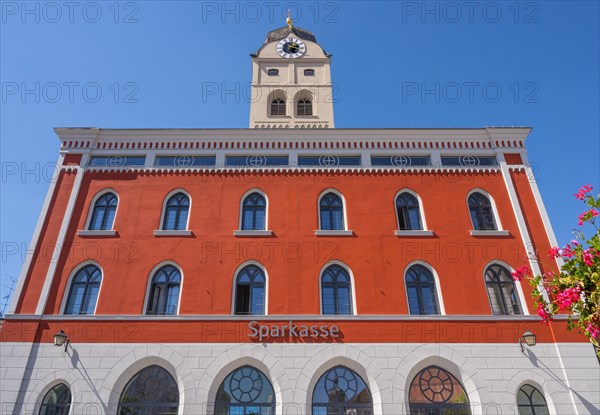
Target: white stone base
<point>491,373</point>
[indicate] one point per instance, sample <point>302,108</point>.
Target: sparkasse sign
<point>291,329</point>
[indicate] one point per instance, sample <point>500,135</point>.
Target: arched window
<point>331,213</point>
<point>531,401</point>
<point>152,391</point>
<point>273,72</point>
<point>502,290</point>
<point>482,213</point>
<point>409,213</point>
<point>304,107</point>
<point>436,391</point>
<point>336,295</point>
<point>250,291</point>
<point>57,401</point>
<point>83,294</point>
<point>245,391</point>
<point>421,290</point>
<point>278,106</point>
<point>309,72</point>
<point>254,209</point>
<point>176,212</point>
<point>164,291</point>
<point>104,212</point>
<point>341,391</point>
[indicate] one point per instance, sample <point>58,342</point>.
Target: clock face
<point>291,48</point>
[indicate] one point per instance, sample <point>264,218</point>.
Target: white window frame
<point>352,286</point>
<point>97,232</point>
<point>149,286</point>
<point>438,288</point>
<point>74,271</point>
<point>163,232</point>
<point>475,232</point>
<point>520,293</point>
<point>260,232</point>
<point>420,232</point>
<point>234,288</point>
<point>342,232</point>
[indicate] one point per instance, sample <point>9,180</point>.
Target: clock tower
<point>291,82</point>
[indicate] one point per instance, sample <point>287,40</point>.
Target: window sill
<point>97,233</point>
<point>489,233</point>
<point>252,233</point>
<point>413,233</point>
<point>172,233</point>
<point>334,233</point>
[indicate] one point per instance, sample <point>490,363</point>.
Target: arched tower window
<point>336,291</point>
<point>84,290</point>
<point>250,291</point>
<point>164,291</point>
<point>57,401</point>
<point>421,290</point>
<point>409,212</point>
<point>103,214</point>
<point>152,391</point>
<point>176,212</point>
<point>245,391</point>
<point>531,401</point>
<point>254,210</point>
<point>304,107</point>
<point>278,106</point>
<point>341,391</point>
<point>502,290</point>
<point>436,391</point>
<point>331,212</point>
<point>482,213</point>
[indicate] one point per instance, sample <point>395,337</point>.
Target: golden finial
<point>289,19</point>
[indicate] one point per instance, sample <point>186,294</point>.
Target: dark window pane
<point>400,161</point>
<point>185,161</point>
<point>116,161</point>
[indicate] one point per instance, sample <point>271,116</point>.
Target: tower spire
<point>289,20</point>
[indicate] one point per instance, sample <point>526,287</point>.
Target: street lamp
<point>527,338</point>
<point>60,339</point>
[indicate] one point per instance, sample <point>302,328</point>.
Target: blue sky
<point>150,64</point>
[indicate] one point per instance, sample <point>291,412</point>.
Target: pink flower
<point>585,216</point>
<point>588,256</point>
<point>546,317</point>
<point>583,191</point>
<point>554,252</point>
<point>594,331</point>
<point>521,273</point>
<point>567,297</point>
<point>567,252</point>
<point>549,275</point>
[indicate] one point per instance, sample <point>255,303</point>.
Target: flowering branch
<point>577,287</point>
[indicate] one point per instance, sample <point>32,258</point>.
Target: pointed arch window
<point>176,212</point>
<point>421,291</point>
<point>304,107</point>
<point>152,391</point>
<point>482,212</point>
<point>409,212</point>
<point>436,391</point>
<point>245,391</point>
<point>57,401</point>
<point>341,391</point>
<point>331,212</point>
<point>164,291</point>
<point>502,290</point>
<point>336,291</point>
<point>531,401</point>
<point>254,209</point>
<point>277,106</point>
<point>84,290</point>
<point>250,291</point>
<point>103,214</point>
